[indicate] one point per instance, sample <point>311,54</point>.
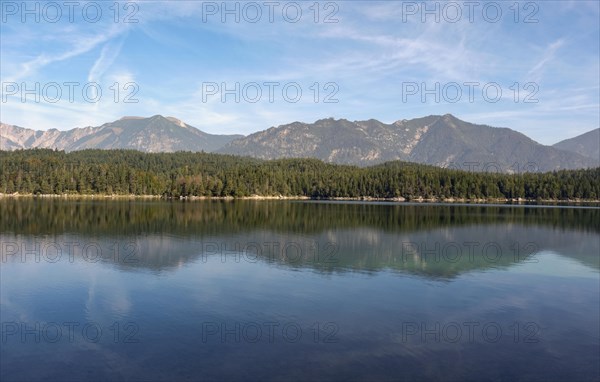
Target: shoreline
<point>398,200</point>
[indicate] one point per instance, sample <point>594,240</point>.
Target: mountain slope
<point>437,140</point>
<point>154,134</point>
<point>587,144</point>
<point>338,141</point>
<point>450,142</point>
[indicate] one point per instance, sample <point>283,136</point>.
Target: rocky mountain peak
<point>128,117</point>
<point>435,139</point>
<point>176,121</point>
<point>153,134</point>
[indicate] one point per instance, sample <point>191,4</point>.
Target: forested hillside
<point>43,171</point>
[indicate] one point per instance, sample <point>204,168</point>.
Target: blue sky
<point>374,58</point>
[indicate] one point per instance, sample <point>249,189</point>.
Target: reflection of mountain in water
<point>439,241</point>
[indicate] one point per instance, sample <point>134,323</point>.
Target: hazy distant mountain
<point>438,140</point>
<point>154,134</point>
<point>587,144</point>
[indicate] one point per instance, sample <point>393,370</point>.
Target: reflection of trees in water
<point>43,216</point>
<point>438,241</point>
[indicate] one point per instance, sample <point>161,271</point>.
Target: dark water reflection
<point>257,290</point>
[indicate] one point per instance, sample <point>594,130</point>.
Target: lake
<point>297,290</point>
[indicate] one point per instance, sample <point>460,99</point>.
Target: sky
<point>240,67</point>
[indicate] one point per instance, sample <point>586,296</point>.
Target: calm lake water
<point>293,290</point>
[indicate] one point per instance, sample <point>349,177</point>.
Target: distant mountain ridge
<point>153,134</point>
<point>587,144</point>
<point>444,141</point>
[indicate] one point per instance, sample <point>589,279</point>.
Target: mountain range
<point>154,134</point>
<point>444,141</point>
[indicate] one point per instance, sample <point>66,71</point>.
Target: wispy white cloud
<point>75,45</point>
<point>549,54</point>
<point>109,53</point>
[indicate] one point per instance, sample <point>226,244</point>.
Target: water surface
<point>282,290</point>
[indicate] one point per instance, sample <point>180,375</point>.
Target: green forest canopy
<point>45,171</point>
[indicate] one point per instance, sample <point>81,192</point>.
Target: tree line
<point>184,174</point>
